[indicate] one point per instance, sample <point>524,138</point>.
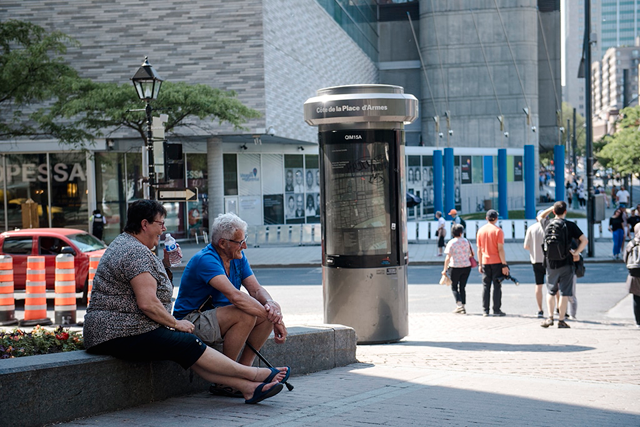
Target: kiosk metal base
<point>373,301</point>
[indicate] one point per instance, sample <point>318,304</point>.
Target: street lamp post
<point>147,83</point>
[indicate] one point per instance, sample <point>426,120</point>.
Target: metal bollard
<point>7,298</point>
<point>65,285</point>
<point>94,260</point>
<point>35,302</point>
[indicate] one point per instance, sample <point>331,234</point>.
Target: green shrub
<point>18,343</point>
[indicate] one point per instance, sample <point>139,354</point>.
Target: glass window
<point>26,178</point>
<point>69,190</point>
<point>86,242</point>
<point>198,211</point>
<point>18,245</point>
<point>50,245</point>
<point>230,167</point>
<point>477,169</point>
<point>111,188</point>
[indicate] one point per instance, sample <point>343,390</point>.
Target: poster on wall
<point>312,208</point>
<point>250,209</point>
<point>294,209</point>
<point>273,209</point>
<point>466,170</point>
<point>517,168</point>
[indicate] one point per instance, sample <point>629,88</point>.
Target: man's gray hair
<point>225,225</point>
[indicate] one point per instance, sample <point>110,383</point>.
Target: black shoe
<point>563,325</point>
<point>224,391</point>
<point>547,323</point>
<point>499,313</point>
<point>540,314</point>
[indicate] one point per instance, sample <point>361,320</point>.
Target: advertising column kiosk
<point>363,215</point>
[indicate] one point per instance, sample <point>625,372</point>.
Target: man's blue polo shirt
<point>195,287</point>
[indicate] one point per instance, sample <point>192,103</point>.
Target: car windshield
<point>86,242</point>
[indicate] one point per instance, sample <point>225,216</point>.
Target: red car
<point>49,242</point>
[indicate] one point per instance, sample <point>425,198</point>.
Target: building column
<point>215,180</point>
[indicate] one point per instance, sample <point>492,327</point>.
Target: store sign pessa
<point>30,172</point>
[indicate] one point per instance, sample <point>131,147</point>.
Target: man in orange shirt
<point>492,262</point>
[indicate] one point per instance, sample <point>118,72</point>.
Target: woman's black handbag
<point>580,267</point>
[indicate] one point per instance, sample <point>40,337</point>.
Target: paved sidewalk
<point>453,370</point>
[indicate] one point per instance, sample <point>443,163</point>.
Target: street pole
<point>151,168</point>
<point>574,144</point>
<point>589,130</point>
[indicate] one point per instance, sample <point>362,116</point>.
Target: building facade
<point>275,54</point>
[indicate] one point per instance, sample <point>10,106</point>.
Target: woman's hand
<point>184,326</point>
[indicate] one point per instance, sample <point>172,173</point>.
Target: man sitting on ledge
<point>210,297</point>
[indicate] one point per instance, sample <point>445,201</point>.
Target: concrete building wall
<point>460,78</point>
<point>549,70</point>
<point>214,42</point>
<point>305,50</point>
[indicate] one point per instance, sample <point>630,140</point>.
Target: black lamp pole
<point>589,133</point>
<point>147,83</point>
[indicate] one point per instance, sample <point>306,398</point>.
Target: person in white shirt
<point>533,243</point>
<point>623,197</point>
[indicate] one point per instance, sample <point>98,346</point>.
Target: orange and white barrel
<point>65,285</point>
<point>35,302</point>
<point>7,297</point>
<point>94,260</point>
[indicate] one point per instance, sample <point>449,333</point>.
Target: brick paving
<point>451,370</point>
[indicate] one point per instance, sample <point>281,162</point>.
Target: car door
<point>49,247</point>
<point>19,248</point>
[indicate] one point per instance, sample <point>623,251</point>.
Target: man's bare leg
<point>563,307</point>
<point>235,327</point>
<point>539,296</point>
<point>257,338</point>
<point>551,304</point>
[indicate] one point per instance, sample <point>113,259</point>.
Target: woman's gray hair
<point>225,225</point>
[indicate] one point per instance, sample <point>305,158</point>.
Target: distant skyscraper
<point>615,23</point>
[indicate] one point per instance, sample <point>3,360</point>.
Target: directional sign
<point>177,195</point>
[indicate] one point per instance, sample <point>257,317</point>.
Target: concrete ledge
<point>59,387</point>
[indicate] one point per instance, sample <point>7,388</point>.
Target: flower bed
<point>18,343</point>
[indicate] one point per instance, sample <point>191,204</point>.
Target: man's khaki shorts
<point>206,326</point>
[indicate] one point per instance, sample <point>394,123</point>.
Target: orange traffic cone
<point>35,302</point>
<point>65,303</point>
<point>7,298</point>
<point>94,260</point>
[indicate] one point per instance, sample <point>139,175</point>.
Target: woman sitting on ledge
<point>129,315</point>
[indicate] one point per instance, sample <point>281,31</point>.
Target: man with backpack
<point>560,258</point>
<point>632,258</point>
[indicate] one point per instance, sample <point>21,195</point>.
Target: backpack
<point>556,244</point>
<point>463,223</point>
<point>633,259</point>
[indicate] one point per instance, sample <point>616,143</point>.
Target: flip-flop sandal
<point>259,395</point>
<point>275,372</point>
<point>224,391</point>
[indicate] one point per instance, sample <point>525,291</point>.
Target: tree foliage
<point>32,74</point>
<point>581,135</point>
<point>621,151</point>
<point>106,107</point>
<point>42,96</point>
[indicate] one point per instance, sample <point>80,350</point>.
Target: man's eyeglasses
<point>241,242</point>
<point>160,222</point>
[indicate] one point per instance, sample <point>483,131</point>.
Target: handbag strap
<point>471,248</point>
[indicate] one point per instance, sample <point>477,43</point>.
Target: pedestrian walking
<point>457,265</point>
<point>560,258</point>
<point>632,259</point>
<point>492,262</point>
<point>440,232</point>
<point>97,223</point>
<point>622,196</point>
<point>533,240</point>
<point>616,227</point>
